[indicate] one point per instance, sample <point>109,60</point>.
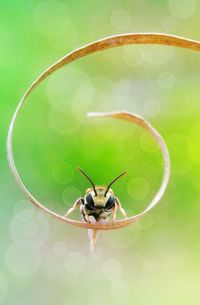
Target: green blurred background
<point>155,261</point>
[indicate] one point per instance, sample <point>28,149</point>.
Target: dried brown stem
<point>100,45</point>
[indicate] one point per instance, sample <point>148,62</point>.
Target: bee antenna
<point>108,187</point>
<point>92,183</point>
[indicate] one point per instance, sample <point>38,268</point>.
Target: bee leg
<point>114,212</point>
<point>123,212</point>
<point>92,233</point>
<point>74,207</point>
<point>86,216</point>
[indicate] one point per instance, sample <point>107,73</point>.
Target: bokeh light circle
<point>182,8</point>
<point>70,194</point>
<point>56,15</point>
<point>138,188</point>
<point>75,262</point>
<point>120,19</point>
<point>28,228</point>
<point>166,80</point>
<point>23,262</point>
<point>112,269</point>
<point>119,289</point>
<point>23,212</point>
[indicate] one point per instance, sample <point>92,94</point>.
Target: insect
<point>98,205</point>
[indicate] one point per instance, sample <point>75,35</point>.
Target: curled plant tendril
<point>100,45</point>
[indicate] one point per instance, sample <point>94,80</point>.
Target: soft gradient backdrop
<point>153,262</point>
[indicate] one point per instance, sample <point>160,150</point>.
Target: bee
<point>98,205</point>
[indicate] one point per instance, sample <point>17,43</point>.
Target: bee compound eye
<point>89,200</point>
<point>110,202</point>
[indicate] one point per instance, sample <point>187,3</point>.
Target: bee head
<point>100,200</point>
<point>100,196</point>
